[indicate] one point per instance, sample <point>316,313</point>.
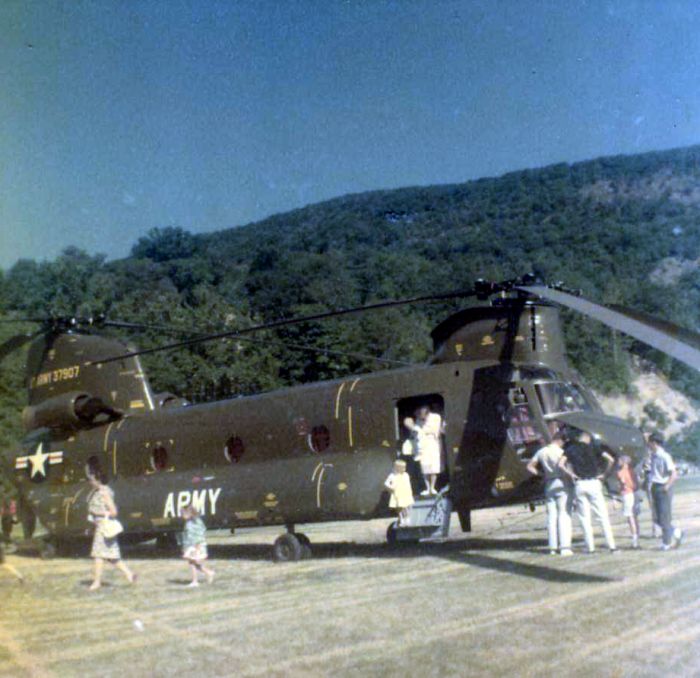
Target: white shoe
<point>678,535</point>
<point>566,552</point>
<point>193,584</point>
<point>425,493</point>
<point>552,552</point>
<point>665,547</point>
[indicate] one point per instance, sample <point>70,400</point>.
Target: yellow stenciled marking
<point>342,487</point>
<point>246,515</point>
<point>54,376</point>
<point>337,400</point>
<point>354,383</point>
<point>350,425</point>
<point>107,432</point>
<point>136,515</point>
<point>156,522</point>
<point>68,504</point>
<point>114,457</point>
<point>320,470</point>
<point>136,404</point>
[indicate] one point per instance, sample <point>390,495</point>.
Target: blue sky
<point>117,117</point>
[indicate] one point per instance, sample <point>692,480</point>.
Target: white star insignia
<point>38,461</point>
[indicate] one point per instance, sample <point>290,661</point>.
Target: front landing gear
<point>291,547</point>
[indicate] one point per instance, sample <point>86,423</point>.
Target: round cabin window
<point>234,449</point>
<point>320,438</point>
<point>159,458</point>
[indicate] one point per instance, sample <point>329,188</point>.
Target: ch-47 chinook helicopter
<point>318,452</point>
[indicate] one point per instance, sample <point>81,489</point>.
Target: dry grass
<point>490,604</point>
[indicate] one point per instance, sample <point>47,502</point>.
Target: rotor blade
<point>657,334</point>
<point>344,354</point>
<point>24,320</point>
<point>19,340</point>
<point>680,333</point>
<point>143,326</point>
<point>285,322</point>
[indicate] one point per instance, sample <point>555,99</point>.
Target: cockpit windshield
<point>558,397</point>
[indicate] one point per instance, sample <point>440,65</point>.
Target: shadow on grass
<point>550,574</point>
<point>321,550</point>
<point>467,551</point>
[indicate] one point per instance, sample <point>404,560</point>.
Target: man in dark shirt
<point>582,462</point>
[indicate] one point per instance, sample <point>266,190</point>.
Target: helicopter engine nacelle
<point>68,411</point>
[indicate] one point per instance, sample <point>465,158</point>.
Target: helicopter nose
<point>629,443</point>
<point>617,435</point>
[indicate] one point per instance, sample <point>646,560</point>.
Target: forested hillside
<point>624,229</point>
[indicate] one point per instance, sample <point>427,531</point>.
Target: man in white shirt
<point>662,475</point>
<point>558,493</point>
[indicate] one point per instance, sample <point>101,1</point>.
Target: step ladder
<point>428,519</point>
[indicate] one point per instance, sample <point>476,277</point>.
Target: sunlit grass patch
<point>479,604</point>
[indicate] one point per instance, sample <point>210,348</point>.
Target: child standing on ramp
<point>399,485</point>
<point>194,545</point>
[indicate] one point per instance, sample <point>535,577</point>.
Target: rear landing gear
<point>48,549</point>
<point>166,543</point>
<point>305,546</point>
<point>391,534</point>
<point>291,547</point>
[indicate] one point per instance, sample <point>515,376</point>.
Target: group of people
<point>572,465</point>
<point>102,512</point>
<point>424,446</point>
<point>574,469</point>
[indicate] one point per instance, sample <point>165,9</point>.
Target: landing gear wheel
<point>166,543</point>
<point>28,520</point>
<point>305,545</point>
<point>48,550</point>
<point>391,534</point>
<point>287,548</point>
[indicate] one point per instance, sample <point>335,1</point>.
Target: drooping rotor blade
<point>680,333</point>
<point>19,340</point>
<point>285,322</point>
<point>658,334</point>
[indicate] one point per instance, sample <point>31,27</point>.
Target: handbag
<point>408,448</point>
<point>111,527</point>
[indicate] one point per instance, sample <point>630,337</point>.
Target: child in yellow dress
<point>399,485</point>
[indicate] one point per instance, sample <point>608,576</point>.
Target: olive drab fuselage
<point>305,454</point>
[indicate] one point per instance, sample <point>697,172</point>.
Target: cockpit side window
<point>523,433</point>
<point>558,397</point>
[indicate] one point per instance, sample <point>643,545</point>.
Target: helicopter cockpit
<point>560,397</point>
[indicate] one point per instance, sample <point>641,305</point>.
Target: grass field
<point>485,604</point>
